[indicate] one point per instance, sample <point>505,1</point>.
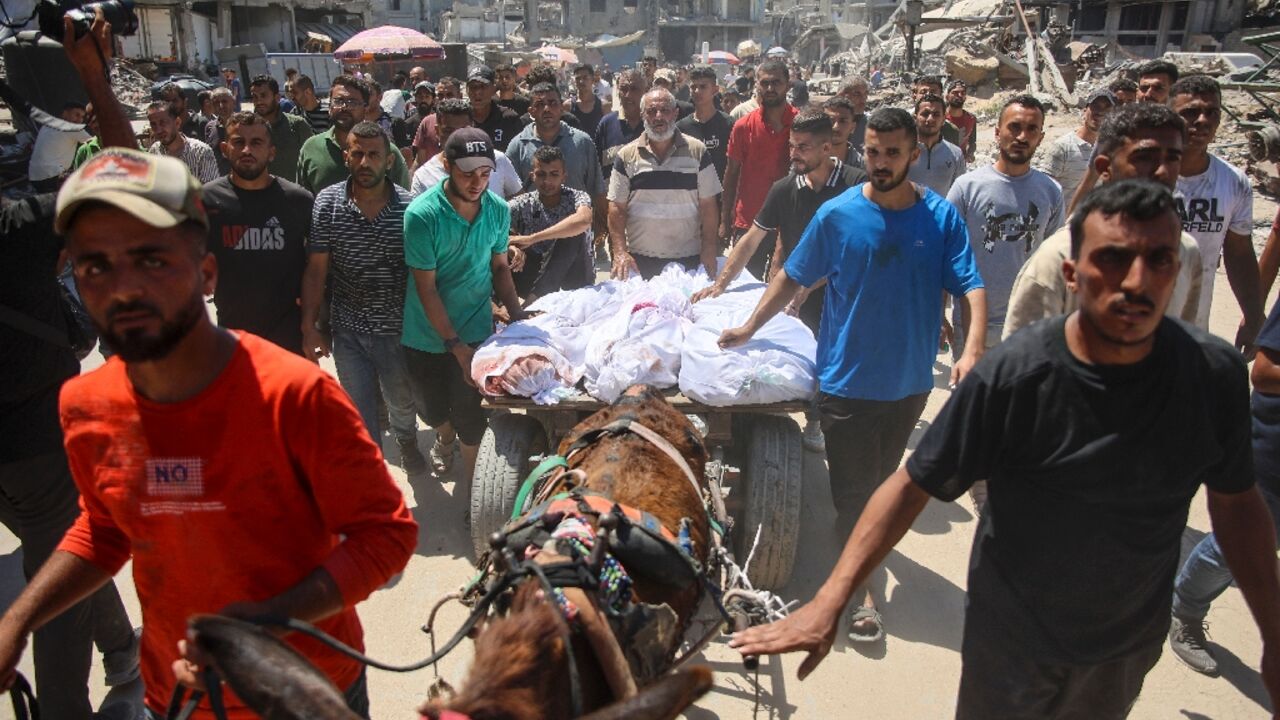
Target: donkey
<point>521,669</point>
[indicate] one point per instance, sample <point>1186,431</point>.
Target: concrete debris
<point>962,64</point>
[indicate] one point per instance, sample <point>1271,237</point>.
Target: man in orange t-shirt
<point>237,476</point>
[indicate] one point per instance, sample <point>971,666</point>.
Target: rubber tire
<point>502,463</point>
<point>772,483</point>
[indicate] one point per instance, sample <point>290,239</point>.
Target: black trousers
<point>1002,679</point>
<point>865,441</point>
<point>442,394</point>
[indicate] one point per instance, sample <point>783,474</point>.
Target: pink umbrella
<point>388,42</point>
<point>552,53</point>
<point>720,57</point>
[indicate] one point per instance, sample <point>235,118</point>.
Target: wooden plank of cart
<point>754,449</point>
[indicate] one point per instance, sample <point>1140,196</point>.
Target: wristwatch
<point>451,343</point>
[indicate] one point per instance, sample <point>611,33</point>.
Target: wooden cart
<point>755,450</point>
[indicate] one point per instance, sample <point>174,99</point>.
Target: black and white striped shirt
<point>366,259</point>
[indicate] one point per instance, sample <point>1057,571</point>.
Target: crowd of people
<point>389,228</point>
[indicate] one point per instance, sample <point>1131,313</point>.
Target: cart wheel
<point>773,475</point>
<point>501,465</point>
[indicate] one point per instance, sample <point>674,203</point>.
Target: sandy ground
<point>913,674</point>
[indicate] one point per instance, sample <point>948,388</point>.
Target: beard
<point>136,346</point>
<point>250,173</point>
<point>955,102</point>
<point>885,184</point>
<point>1015,157</point>
<point>656,136</point>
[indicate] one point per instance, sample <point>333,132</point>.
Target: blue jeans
<point>366,361</point>
<point>1205,575</point>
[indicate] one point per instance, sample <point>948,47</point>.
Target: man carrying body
<point>1109,419</point>
<point>357,244</point>
<point>579,156</point>
<point>288,131</point>
<point>1009,207</point>
<point>965,121</point>
<point>1140,140</point>
<point>662,197</point>
<point>454,115</point>
<point>549,224</point>
<point>501,123</point>
<point>317,114</point>
<point>258,229</point>
<point>455,236</point>
<point>586,106</point>
<point>940,162</point>
<point>757,158</point>
<point>1067,157</point>
<point>887,249</point>
<point>706,123</point>
<point>286,511</point>
<point>1216,204</point>
<point>198,157</point>
<point>815,178</point>
<point>322,160</point>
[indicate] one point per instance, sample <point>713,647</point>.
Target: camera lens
<point>120,13</point>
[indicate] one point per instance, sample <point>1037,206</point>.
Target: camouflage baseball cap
<point>158,190</point>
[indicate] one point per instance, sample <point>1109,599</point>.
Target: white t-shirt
<point>393,103</point>
<point>1218,200</point>
<point>604,91</point>
<point>503,181</point>
<point>53,151</point>
<point>1066,160</point>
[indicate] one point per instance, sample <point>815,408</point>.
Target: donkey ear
<point>663,700</point>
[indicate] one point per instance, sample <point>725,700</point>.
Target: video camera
<point>120,13</point>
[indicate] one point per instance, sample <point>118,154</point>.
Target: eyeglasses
<point>346,103</point>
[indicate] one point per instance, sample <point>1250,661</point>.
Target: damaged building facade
<point>1150,29</point>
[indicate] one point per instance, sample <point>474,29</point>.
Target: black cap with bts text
<point>482,73</point>
<point>470,148</point>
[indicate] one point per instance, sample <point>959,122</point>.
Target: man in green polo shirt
<point>288,131</point>
<point>320,161</point>
<point>455,243</point>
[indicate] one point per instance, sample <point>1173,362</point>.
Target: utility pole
<point>530,22</point>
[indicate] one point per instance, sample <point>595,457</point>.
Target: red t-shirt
<point>764,155</point>
<point>427,138</point>
<point>233,495</point>
<point>967,124</point>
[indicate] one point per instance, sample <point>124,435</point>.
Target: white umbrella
<point>777,51</point>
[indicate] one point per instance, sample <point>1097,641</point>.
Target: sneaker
<point>122,666</point>
<point>1189,641</point>
<point>813,439</point>
<point>411,457</point>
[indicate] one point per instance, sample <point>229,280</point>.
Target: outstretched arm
<point>812,628</point>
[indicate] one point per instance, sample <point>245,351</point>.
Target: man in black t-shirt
<point>499,122</point>
<point>1095,430</point>
<point>707,123</point>
<point>815,178</point>
<point>258,224</point>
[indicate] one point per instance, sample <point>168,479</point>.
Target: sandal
<point>863,613</point>
<point>442,456</point>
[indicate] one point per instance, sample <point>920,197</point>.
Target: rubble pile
<point>131,87</point>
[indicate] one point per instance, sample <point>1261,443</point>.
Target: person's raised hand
<point>90,52</point>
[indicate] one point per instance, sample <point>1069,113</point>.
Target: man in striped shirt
<point>662,197</point>
<point>316,113</point>
<point>357,240</point>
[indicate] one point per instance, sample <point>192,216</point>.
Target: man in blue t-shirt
<point>886,249</point>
